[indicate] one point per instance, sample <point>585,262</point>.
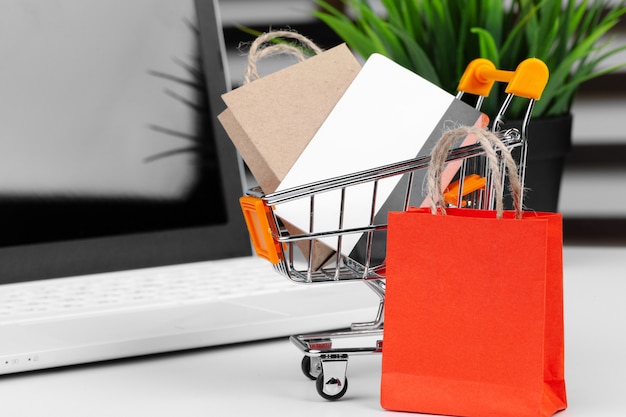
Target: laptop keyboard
<point>140,289</point>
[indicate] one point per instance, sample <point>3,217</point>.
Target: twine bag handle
<point>263,47</point>
<point>489,142</point>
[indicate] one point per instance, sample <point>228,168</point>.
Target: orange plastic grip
<point>475,80</point>
<point>255,213</point>
<point>471,183</point>
<point>528,80</point>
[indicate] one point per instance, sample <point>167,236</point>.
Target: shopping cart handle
<point>255,213</point>
<point>528,80</point>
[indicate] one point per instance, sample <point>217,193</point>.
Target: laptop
<point>121,230</point>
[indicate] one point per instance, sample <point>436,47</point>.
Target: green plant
<point>437,39</point>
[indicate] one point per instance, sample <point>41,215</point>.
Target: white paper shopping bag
<point>388,114</point>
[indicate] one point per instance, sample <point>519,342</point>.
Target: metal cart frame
<point>325,359</point>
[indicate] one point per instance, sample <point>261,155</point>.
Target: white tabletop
<point>265,378</point>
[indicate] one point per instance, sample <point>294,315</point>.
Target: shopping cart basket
<point>326,354</point>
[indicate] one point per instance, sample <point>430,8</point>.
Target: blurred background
<point>103,78</point>
<point>593,190</point>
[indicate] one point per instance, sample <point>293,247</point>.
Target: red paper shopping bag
<point>474,314</point>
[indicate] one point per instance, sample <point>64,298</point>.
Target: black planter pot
<point>549,141</point>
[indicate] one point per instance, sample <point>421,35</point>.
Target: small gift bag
<point>271,119</point>
<point>474,307</point>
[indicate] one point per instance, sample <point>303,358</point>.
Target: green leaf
<point>493,20</point>
<point>421,63</point>
<point>488,48</point>
<point>381,35</point>
<point>437,38</point>
<point>350,34</point>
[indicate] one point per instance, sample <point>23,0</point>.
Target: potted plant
<point>437,39</point>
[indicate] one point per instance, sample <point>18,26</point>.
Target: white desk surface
<point>265,379</point>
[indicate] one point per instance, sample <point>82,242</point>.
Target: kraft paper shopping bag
<point>271,119</point>
<point>474,313</point>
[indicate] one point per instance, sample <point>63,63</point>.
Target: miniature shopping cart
<point>326,354</point>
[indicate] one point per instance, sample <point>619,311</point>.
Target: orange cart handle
<point>528,80</point>
<point>255,213</point>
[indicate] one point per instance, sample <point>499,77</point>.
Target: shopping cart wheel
<point>332,383</point>
<point>332,388</point>
<point>311,367</point>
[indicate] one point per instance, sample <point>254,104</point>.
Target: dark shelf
<point>594,231</point>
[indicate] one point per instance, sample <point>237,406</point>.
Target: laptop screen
<point>112,157</point>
